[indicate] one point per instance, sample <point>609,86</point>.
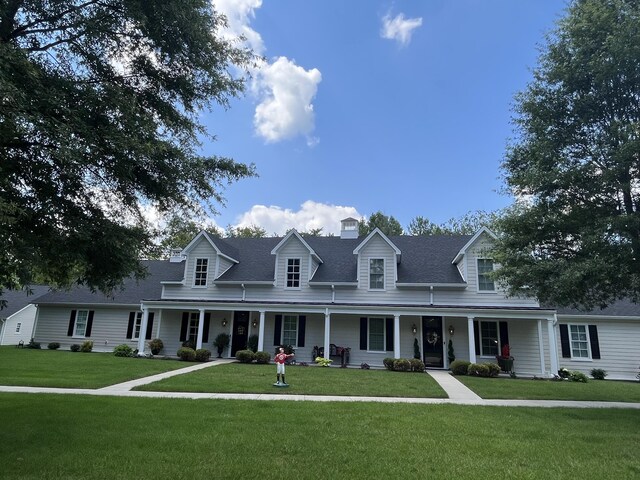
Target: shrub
<point>365,366</point>
<point>388,363</point>
<point>156,345</point>
<point>402,365</point>
<point>459,367</point>
<point>53,346</point>
<point>564,373</point>
<point>203,355</point>
<point>576,376</point>
<point>75,347</point>
<point>262,357</point>
<point>86,347</point>
<point>123,350</point>
<point>245,356</point>
<point>187,354</point>
<point>252,343</point>
<point>478,370</point>
<point>189,344</point>
<point>417,365</point>
<point>323,362</point>
<point>34,345</point>
<point>494,369</point>
<point>598,373</point>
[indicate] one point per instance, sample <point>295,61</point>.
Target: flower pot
<point>506,364</point>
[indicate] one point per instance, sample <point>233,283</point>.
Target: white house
<point>17,318</point>
<point>372,296</point>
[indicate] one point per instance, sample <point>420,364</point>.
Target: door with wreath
<point>432,342</point>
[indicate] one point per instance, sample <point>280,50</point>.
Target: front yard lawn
<point>244,378</point>
<point>55,368</point>
<point>77,436</point>
<point>527,389</point>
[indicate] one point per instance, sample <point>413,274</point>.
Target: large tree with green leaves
<point>468,224</point>
<point>386,223</point>
<point>574,236</point>
<point>99,114</point>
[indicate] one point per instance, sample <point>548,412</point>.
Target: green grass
<point>62,436</point>
<point>594,390</point>
<point>243,378</point>
<point>55,368</point>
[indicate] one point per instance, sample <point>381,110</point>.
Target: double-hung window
<point>290,330</point>
<point>293,273</point>
<point>192,331</point>
<point>376,334</point>
<point>136,325</point>
<point>376,274</point>
<point>81,323</point>
<point>579,341</point>
<point>489,338</point>
<point>18,327</point>
<point>200,278</point>
<point>485,282</point>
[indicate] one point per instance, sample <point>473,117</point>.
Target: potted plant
<point>155,346</point>
<point>221,342</point>
<point>505,360</point>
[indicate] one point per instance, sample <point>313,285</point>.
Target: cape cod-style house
<point>373,297</point>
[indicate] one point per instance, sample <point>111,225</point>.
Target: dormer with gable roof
<point>378,259</point>
<point>474,262</point>
<point>295,262</point>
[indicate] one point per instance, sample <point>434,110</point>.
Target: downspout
<point>431,295</point>
<point>244,292</point>
<point>333,293</point>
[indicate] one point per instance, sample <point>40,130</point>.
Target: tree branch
<point>17,32</point>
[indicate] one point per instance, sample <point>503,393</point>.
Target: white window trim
<point>384,334</point>
<point>137,321</point>
<point>18,328</point>
<point>194,320</point>
<point>384,274</point>
<point>586,329</point>
<point>484,292</point>
<point>75,325</point>
<point>497,324</point>
<point>286,273</point>
<point>195,270</point>
<point>297,317</point>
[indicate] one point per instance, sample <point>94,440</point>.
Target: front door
<point>240,332</point>
<point>432,342</point>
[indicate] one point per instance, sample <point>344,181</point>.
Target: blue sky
<point>346,118</point>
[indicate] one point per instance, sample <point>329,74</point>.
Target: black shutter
<point>564,341</point>
<point>149,327</point>
<point>504,335</point>
<point>476,336</point>
<point>87,332</point>
<point>302,323</point>
<point>277,331</point>
<point>389,334</point>
<point>72,323</point>
<point>595,345</point>
<point>132,319</point>
<point>205,330</point>
<point>185,325</point>
<point>363,333</point>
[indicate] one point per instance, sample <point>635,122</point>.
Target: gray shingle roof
<point>18,299</point>
<point>621,308</point>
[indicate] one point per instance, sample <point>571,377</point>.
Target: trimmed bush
<point>34,345</point>
<point>252,343</point>
<point>203,355</point>
<point>323,362</point>
<point>189,344</point>
<point>245,356</point>
<point>53,346</point>
<point>598,373</point>
<point>494,369</point>
<point>75,347</point>
<point>460,367</point>
<point>402,365</point>
<point>156,345</point>
<point>86,347</point>
<point>262,357</point>
<point>388,363</point>
<point>123,350</point>
<point>187,354</point>
<point>478,370</point>
<point>576,376</point>
<point>417,365</point>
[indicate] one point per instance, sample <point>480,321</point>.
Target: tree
<point>252,231</point>
<point>99,115</point>
<point>178,232</point>
<point>468,224</point>
<point>387,224</point>
<point>574,236</point>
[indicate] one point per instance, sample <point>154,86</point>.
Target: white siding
<point>376,247</point>
<point>292,249</point>
<point>223,265</point>
<point>25,318</point>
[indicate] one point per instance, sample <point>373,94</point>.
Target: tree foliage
<point>468,224</point>
<point>574,238</point>
<point>178,232</point>
<point>99,113</point>
<point>386,223</point>
<point>252,231</point>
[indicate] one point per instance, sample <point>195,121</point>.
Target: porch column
<point>472,340</point>
<point>553,346</point>
<point>541,347</point>
<point>143,330</point>
<point>327,333</point>
<point>261,332</point>
<point>200,329</point>
<point>396,336</point>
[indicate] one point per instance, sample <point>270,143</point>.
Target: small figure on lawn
<point>280,359</point>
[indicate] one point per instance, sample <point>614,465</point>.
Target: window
<point>485,283</point>
<point>201,272</point>
<point>290,330</point>
<point>376,334</point>
<point>192,330</point>
<point>376,273</point>
<point>293,274</point>
<point>81,323</point>
<point>136,325</point>
<point>579,341</point>
<point>489,338</point>
<point>18,327</point>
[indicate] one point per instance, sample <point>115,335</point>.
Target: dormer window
<point>376,273</point>
<point>293,273</point>
<point>485,282</point>
<point>200,279</point>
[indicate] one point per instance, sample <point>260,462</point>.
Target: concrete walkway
<point>458,393</point>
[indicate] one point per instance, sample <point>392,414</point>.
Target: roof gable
<point>479,233</point>
<point>377,231</point>
<point>223,252</point>
<point>287,238</point>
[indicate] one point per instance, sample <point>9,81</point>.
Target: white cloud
<point>311,215</point>
<point>284,90</point>
<point>399,28</point>
<point>286,110</point>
